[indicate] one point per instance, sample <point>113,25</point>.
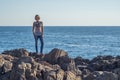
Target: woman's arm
<point>33,28</point>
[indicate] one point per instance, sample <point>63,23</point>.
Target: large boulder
<point>54,55</point>
<point>60,57</point>
<point>68,64</point>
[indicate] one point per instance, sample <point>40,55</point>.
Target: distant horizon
<point>62,26</point>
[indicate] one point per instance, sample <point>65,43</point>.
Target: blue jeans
<point>36,43</point>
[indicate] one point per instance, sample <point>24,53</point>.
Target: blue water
<point>87,42</point>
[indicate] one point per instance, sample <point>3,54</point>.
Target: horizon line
<point>64,26</point>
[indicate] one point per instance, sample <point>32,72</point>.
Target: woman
<point>38,31</point>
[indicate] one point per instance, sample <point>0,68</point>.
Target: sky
<point>60,12</point>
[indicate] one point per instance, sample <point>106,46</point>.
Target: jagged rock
<point>5,63</point>
<point>85,72</point>
<point>56,65</point>
<point>60,74</point>
<point>71,76</point>
<point>108,57</point>
<point>50,75</point>
<point>27,59</point>
<point>117,71</point>
<point>19,67</point>
<point>53,56</point>
<point>105,63</point>
<point>37,57</point>
<point>108,76</point>
<point>101,75</point>
<point>1,63</point>
<point>7,66</point>
<point>17,52</point>
<point>65,61</point>
<point>81,61</point>
<point>68,64</point>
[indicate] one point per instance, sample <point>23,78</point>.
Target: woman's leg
<point>36,43</point>
<point>42,44</point>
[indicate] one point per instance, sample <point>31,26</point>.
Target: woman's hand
<point>42,36</point>
<point>34,34</point>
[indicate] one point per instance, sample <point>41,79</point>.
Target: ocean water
<point>87,42</point>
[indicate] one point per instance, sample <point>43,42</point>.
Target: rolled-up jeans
<point>36,43</point>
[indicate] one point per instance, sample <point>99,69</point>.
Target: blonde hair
<point>37,16</point>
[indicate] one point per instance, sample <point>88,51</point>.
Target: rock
<point>71,76</point>
<point>81,61</point>
<point>50,75</point>
<point>57,65</point>
<point>85,72</point>
<point>60,74</point>
<point>64,62</point>
<point>37,57</point>
<point>105,63</point>
<point>53,56</point>
<point>45,63</point>
<point>102,58</point>
<point>27,59</point>
<point>7,66</point>
<point>108,76</point>
<point>93,75</point>
<point>2,61</point>
<point>5,63</point>
<point>68,64</point>
<point>17,52</point>
<point>7,57</point>
<point>101,75</point>
<point>117,71</point>
<point>53,75</point>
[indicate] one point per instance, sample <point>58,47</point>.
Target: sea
<point>84,41</point>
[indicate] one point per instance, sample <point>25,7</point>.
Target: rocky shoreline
<point>19,64</point>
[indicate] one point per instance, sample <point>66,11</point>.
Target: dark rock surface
<point>19,64</point>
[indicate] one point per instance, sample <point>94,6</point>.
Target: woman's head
<point>37,17</point>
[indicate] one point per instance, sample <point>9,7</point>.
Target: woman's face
<point>37,18</point>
